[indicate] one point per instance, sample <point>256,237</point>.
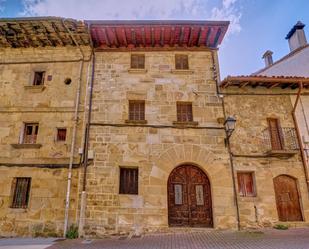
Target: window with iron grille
<point>136,110</point>
<point>61,134</point>
<point>38,78</point>
<point>181,61</point>
<point>30,133</point>
<point>184,112</point>
<point>21,191</point>
<point>137,61</point>
<point>128,181</point>
<point>246,184</point>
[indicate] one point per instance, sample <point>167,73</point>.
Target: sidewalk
<point>297,238</point>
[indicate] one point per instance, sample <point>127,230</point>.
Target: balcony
<point>282,143</point>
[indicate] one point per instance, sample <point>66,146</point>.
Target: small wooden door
<point>276,137</point>
<point>287,198</point>
<point>189,197</point>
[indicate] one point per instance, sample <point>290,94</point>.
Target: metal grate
<point>21,187</point>
<point>288,136</point>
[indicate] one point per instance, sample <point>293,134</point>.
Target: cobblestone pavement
<point>297,238</point>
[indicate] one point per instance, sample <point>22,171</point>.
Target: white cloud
<point>113,9</point>
<point>136,9</point>
<point>229,12</point>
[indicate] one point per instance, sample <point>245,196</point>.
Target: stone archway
<point>189,197</point>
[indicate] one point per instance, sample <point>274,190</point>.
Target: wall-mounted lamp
<point>229,125</point>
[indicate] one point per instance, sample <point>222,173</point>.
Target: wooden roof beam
<point>200,35</point>
<point>162,37</point>
<point>133,36</point>
<point>143,37</point>
<point>152,37</point>
<point>116,38</point>
<point>172,38</point>
<point>124,37</point>
<point>108,43</point>
<point>181,36</point>
<point>207,36</point>
<point>191,36</point>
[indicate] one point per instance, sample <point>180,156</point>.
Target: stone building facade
<point>41,69</point>
<point>268,154</point>
<point>158,145</point>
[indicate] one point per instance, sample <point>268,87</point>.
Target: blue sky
<point>256,25</point>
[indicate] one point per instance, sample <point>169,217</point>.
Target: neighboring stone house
<point>42,68</point>
<point>295,63</point>
<point>156,129</point>
<point>270,175</point>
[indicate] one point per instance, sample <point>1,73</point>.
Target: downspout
<point>86,148</point>
<point>301,146</point>
<point>227,139</point>
<point>77,100</point>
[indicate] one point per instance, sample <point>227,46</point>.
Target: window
<point>31,133</point>
<point>181,62</point>
<point>128,181</point>
<point>245,184</point>
<point>137,61</point>
<point>61,134</point>
<point>184,112</point>
<point>38,79</point>
<point>137,110</point>
<point>275,132</point>
<point>21,190</point>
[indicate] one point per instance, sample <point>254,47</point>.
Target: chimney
<point>296,36</point>
<point>268,57</point>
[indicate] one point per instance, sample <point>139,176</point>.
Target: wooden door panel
<point>287,199</point>
<point>195,209</point>
<point>276,137</point>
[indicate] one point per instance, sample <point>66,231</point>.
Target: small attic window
<point>38,79</point>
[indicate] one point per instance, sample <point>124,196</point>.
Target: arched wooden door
<point>287,198</point>
<point>189,197</point>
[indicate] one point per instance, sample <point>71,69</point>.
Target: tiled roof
<point>265,81</point>
<point>108,35</point>
<point>41,32</point>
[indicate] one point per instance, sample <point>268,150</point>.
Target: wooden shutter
<point>21,186</point>
<point>275,131</point>
<point>30,133</point>
<point>136,110</point>
<point>184,112</point>
<point>181,61</point>
<point>137,61</point>
<point>128,181</point>
<point>61,134</point>
<point>245,184</point>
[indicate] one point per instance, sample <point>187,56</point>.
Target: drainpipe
<point>301,146</point>
<point>76,118</point>
<point>85,152</point>
<point>227,139</point>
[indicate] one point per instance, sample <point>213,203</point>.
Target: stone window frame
<point>182,69</point>
<point>129,188</point>
<point>20,186</point>
<point>245,194</point>
<point>21,143</point>
<point>31,86</point>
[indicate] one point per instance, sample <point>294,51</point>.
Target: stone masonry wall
<point>52,106</point>
<point>249,148</point>
<point>155,150</point>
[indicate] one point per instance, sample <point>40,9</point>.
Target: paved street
<point>26,243</point>
<point>208,239</point>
